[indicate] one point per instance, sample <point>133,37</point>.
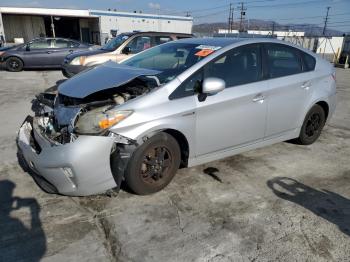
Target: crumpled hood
<point>103,77</point>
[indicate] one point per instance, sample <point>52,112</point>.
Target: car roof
<point>216,41</point>
<point>154,33</point>
<point>226,41</point>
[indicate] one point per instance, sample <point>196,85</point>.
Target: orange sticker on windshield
<point>204,52</point>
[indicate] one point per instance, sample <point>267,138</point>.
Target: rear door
<point>237,115</point>
<point>288,88</point>
<point>60,49</point>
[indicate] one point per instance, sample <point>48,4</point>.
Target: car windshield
<point>115,42</point>
<point>171,58</point>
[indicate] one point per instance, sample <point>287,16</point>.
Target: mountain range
<point>208,29</point>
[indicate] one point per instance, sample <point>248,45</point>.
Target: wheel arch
<point>183,144</point>
<point>325,107</point>
<point>14,56</point>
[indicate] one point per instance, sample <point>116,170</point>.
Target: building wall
<point>22,26</point>
<point>138,22</point>
<point>329,45</point>
<point>2,32</point>
<point>28,23</point>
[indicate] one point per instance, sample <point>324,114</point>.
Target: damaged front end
<point>68,142</point>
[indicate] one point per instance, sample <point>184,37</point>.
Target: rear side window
<point>309,62</point>
<point>162,40</point>
<point>282,60</point>
<point>60,43</point>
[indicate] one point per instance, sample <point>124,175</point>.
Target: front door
<point>38,53</point>
<point>236,116</point>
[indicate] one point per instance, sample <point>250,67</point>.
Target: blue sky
<point>283,11</point>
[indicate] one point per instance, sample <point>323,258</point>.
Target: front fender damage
<point>120,157</point>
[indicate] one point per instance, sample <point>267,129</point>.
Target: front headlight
<point>98,120</point>
<point>1,53</point>
<point>78,60</point>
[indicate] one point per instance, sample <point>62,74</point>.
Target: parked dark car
<point>39,53</point>
<point>117,49</point>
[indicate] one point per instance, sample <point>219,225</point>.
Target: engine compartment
<point>58,114</point>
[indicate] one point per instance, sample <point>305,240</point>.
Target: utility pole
<point>273,29</point>
<point>230,19</point>
<point>242,9</point>
<point>325,22</point>
<point>53,28</point>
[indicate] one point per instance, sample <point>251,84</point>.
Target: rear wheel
<point>14,64</point>
<point>153,165</point>
<point>312,126</point>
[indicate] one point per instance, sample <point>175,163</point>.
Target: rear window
<point>309,62</point>
<point>282,60</point>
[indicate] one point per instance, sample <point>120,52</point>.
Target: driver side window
<point>241,65</point>
<point>40,44</point>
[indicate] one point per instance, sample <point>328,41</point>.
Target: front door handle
<point>49,52</point>
<point>259,98</point>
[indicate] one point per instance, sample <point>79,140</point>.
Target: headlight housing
<point>98,120</point>
<point>79,60</point>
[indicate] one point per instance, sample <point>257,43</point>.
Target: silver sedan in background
<point>179,104</point>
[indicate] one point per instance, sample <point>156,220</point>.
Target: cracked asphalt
<point>279,203</point>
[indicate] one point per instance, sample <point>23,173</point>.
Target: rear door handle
<point>259,98</point>
<point>306,85</point>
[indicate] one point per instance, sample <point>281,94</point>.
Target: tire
<point>153,165</point>
<point>14,64</point>
<point>312,126</point>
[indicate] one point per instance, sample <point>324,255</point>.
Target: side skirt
<point>243,148</point>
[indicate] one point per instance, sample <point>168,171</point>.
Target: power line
<point>211,14</point>
<point>288,4</point>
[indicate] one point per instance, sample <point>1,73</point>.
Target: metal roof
<point>86,13</point>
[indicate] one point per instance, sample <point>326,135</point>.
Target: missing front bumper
<point>78,168</point>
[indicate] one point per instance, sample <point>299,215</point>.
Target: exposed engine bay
<point>63,118</point>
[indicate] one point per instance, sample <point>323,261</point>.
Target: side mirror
<point>213,85</point>
<point>126,50</point>
<point>27,47</point>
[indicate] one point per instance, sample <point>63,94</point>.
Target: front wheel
<point>14,64</point>
<point>312,126</point>
<point>153,165</point>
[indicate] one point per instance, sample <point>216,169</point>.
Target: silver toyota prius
<point>180,104</point>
